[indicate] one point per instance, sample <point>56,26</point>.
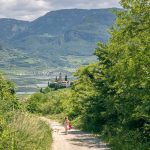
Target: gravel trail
<point>75,140</point>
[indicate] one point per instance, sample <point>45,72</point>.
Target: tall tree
<point>116,89</point>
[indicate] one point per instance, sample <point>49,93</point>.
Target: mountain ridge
<point>58,33</point>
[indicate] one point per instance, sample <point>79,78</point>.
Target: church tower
<point>60,77</point>
<point>56,79</point>
<point>66,78</point>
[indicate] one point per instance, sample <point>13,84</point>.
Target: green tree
<point>8,104</point>
<point>114,93</point>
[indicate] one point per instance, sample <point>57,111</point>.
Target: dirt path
<point>75,140</point>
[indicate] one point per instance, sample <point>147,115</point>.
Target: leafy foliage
<point>112,96</point>
<point>19,130</point>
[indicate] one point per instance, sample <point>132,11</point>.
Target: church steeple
<point>66,78</point>
<point>56,79</point>
<point>60,77</point>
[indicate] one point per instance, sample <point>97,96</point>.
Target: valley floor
<point>75,140</point>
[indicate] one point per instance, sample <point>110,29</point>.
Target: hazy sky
<point>31,9</point>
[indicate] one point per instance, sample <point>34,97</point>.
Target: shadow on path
<point>75,140</point>
<point>83,139</point>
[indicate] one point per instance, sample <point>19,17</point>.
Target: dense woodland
<point>110,97</point>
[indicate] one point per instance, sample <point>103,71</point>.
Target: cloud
<point>32,9</point>
<point>85,3</point>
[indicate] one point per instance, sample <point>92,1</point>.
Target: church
<point>64,82</point>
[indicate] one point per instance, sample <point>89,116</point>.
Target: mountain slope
<point>11,27</point>
<point>58,33</point>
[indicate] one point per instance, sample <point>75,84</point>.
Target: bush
<point>21,131</point>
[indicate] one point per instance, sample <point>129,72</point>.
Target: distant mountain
<point>54,37</point>
<point>9,28</point>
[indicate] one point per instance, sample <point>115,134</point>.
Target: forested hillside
<point>111,97</point>
<point>58,35</point>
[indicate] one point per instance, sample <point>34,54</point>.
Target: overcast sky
<point>32,9</point>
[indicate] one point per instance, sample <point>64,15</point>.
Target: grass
<point>30,133</point>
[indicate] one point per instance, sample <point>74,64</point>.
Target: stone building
<point>64,82</point>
